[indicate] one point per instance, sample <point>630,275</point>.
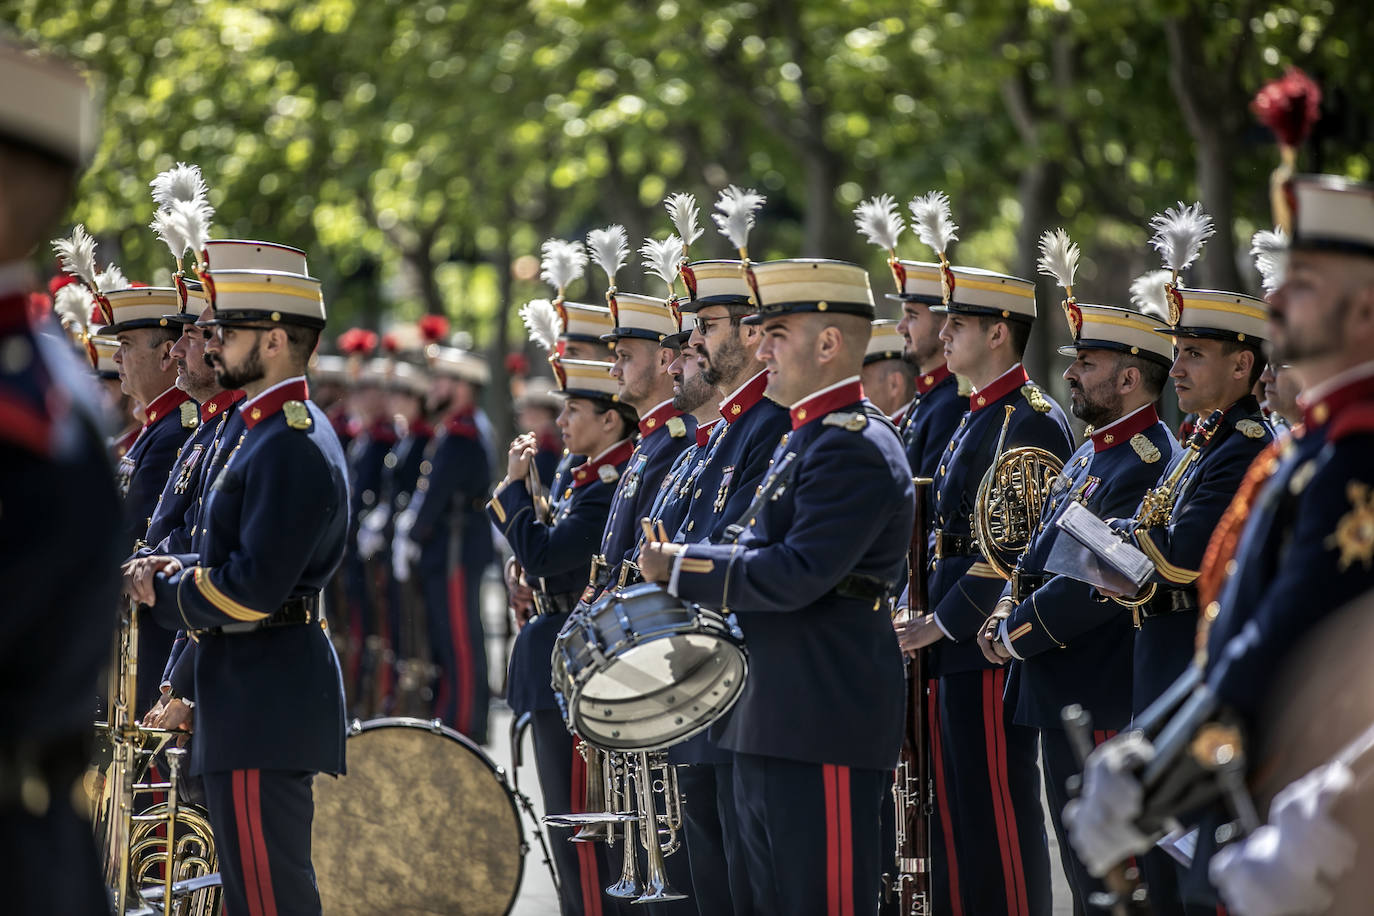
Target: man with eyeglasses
<point>269,694</point>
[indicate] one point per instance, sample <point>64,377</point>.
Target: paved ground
<point>537,896</point>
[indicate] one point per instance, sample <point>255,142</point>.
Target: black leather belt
<point>1171,601</point>
<point>861,587</point>
<point>293,613</point>
<point>561,603</point>
<point>948,544</point>
<point>1022,584</point>
<point>34,773</point>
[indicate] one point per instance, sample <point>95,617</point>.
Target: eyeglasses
<point>703,325</point>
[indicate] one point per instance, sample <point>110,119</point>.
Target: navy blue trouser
<point>459,648</point>
<point>51,864</point>
<point>989,830</point>
<point>261,821</point>
<point>705,844</point>
<point>809,834</point>
<point>1060,764</point>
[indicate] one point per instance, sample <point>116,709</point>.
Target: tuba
<point>161,852</point>
<point>1010,497</point>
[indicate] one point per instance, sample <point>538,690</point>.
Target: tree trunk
<point>500,409</point>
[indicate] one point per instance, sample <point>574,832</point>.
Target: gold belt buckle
<point>939,544</point>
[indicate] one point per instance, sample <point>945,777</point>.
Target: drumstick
<point>648,528</point>
<point>662,532</point>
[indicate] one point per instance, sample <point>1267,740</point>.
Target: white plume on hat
<point>561,263</point>
<point>610,248</point>
<point>1059,258</point>
<point>663,259</point>
<point>1149,295</point>
<point>111,278</point>
<point>880,222</point>
<point>683,211</point>
<point>182,221</point>
<point>77,256</point>
<point>735,210</point>
<point>543,323</point>
<point>1179,234</point>
<point>72,305</point>
<point>933,223</point>
<point>1270,251</point>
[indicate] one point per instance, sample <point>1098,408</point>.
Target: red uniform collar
<point>825,401</point>
<point>749,394</point>
<point>605,465</point>
<point>928,380</point>
<point>999,388</point>
<point>271,401</point>
<point>704,432</point>
<point>463,422</point>
<point>421,429</point>
<point>1330,404</point>
<point>657,419</point>
<point>1119,431</point>
<point>164,404</point>
<point>219,403</point>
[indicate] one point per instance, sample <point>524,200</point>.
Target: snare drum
<point>641,671</point>
<point>423,823</point>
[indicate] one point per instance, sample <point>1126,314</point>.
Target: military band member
<point>56,491</point>
<point>645,330</point>
<point>1066,643</point>
<point>888,377</point>
<point>1304,550</point>
<point>445,533</point>
<point>1218,338</point>
<point>693,395</point>
<point>555,553</point>
<point>268,691</point>
<point>813,745</point>
<point>1281,386</point>
<point>988,844</point>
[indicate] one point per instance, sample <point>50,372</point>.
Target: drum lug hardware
<point>436,726</point>
<point>355,727</point>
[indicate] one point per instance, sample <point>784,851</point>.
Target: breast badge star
<point>1354,534</point>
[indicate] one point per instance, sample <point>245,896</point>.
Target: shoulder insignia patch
<point>676,427</point>
<point>190,415</point>
<point>1036,398</point>
<point>1250,429</point>
<point>297,415</point>
<point>1145,448</point>
<point>608,473</point>
<point>853,421</point>
<point>1354,534</point>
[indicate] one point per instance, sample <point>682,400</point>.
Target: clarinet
<point>912,790</point>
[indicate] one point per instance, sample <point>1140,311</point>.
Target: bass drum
<point>423,823</point>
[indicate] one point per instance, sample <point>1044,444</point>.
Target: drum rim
<point>358,726</point>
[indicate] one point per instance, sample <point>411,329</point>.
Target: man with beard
<point>1064,643</point>
<point>178,509</point>
<point>269,697</point>
<point>814,735</point>
<point>646,329</point>
<point>59,531</point>
<point>988,847</point>
<point>1303,553</point>
<point>148,373</point>
<point>887,375</point>
<point>446,531</point>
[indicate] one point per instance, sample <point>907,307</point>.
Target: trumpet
<point>1010,497</point>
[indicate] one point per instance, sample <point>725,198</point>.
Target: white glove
<point>1101,822</point>
<point>1284,868</point>
<point>371,532</point>
<point>404,551</point>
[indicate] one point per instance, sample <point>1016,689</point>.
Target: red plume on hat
<point>1289,106</point>
<point>389,343</point>
<point>358,342</point>
<point>517,364</point>
<point>58,282</point>
<point>433,328</point>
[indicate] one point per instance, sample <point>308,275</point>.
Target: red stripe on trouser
<point>247,863</point>
<point>263,865</point>
<point>1017,879</point>
<point>832,842</point>
<point>942,799</point>
<point>991,700</point>
<point>586,853</point>
<point>462,651</point>
<point>842,797</point>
